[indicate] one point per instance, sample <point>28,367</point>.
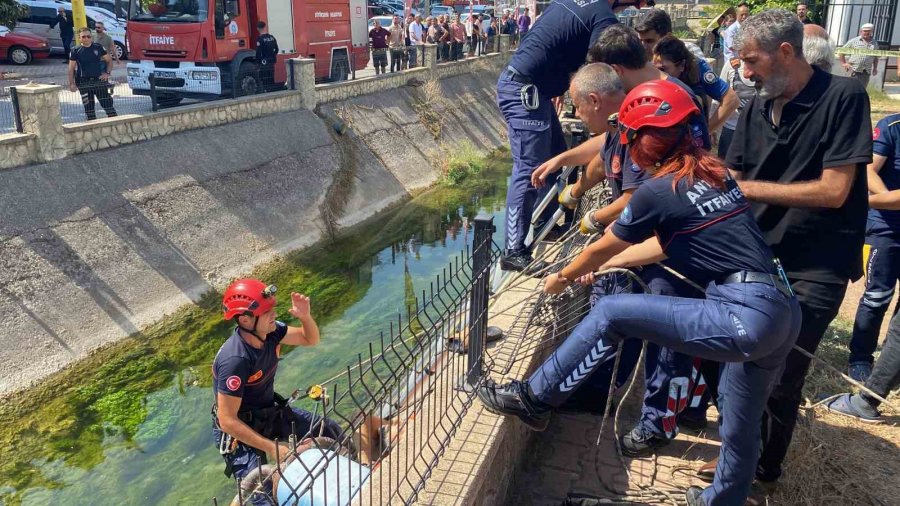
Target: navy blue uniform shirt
<point>557,43</point>
<point>240,370</point>
<point>621,172</point>
<point>886,142</point>
<point>707,232</point>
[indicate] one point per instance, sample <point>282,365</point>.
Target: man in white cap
<point>861,66</point>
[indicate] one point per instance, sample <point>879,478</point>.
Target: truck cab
<point>206,48</point>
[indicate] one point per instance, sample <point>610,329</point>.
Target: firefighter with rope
<point>692,213</point>
<point>250,419</point>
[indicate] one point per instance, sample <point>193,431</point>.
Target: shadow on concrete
<point>37,319</point>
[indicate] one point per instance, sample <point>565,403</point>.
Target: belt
<point>514,75</point>
<point>758,277</point>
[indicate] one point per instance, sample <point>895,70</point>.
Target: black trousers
<point>819,304</point>
<point>90,88</point>
<point>396,59</point>
<point>67,45</point>
<point>886,373</point>
<point>267,76</point>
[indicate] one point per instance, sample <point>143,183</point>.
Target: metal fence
<point>398,406</point>
<point>10,116</point>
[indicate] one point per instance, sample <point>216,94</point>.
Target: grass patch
<point>461,161</point>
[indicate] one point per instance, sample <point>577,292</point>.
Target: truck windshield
<point>169,11</point>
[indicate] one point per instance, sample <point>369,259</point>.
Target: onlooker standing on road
<point>266,55</point>
<point>475,39</point>
<point>745,91</point>
<point>396,44</point>
<point>415,40</point>
<point>66,31</point>
<point>800,152</point>
<point>86,75</point>
<point>858,66</point>
<point>490,36</point>
<point>378,37</point>
<point>524,24</point>
<point>882,245</point>
<point>459,40</point>
<point>106,41</point>
<point>442,37</point>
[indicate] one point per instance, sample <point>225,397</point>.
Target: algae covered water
<point>131,424</point>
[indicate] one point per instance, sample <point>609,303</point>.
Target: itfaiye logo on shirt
<point>625,217</point>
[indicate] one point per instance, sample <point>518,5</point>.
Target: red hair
<point>663,151</point>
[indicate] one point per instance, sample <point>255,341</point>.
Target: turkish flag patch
<point>876,134</point>
<point>233,383</point>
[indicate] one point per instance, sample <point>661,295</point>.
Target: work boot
<point>521,262</point>
<point>513,399</point>
<point>641,442</point>
<point>860,371</point>
<point>692,496</point>
<point>708,470</point>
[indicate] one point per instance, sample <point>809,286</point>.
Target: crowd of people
<point>772,228</point>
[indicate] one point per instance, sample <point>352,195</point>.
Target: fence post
<point>17,114</point>
<point>430,56</point>
<point>504,42</point>
<point>39,108</point>
<point>303,75</point>
<point>154,100</point>
<point>292,82</point>
<point>478,302</point>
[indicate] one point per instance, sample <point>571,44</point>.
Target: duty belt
<point>758,277</point>
<point>514,75</point>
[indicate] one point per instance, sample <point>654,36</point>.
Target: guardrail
<point>398,406</point>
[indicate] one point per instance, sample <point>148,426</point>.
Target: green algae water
<point>131,424</point>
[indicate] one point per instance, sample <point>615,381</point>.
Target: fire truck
<point>206,48</point>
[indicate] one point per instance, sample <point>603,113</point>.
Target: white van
<point>41,15</point>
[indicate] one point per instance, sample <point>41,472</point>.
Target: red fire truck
<point>204,48</point>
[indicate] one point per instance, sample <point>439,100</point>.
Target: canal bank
<point>97,246</point>
<point>130,424</point>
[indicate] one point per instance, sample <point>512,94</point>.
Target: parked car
<point>41,15</point>
<point>21,47</point>
<point>119,12</point>
<point>442,10</point>
<point>385,21</point>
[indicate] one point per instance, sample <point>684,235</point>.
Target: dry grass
<point>431,108</point>
<point>834,459</point>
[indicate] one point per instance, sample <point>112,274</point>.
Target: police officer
<point>266,54</point>
<point>882,246</point>
<point>89,76</point>
<point>247,414</point>
<point>539,71</point>
<point>694,214</point>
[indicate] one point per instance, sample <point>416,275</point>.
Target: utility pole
<point>79,21</point>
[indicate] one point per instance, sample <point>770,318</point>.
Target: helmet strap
<point>253,330</point>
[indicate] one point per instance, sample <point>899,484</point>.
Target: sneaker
<point>860,371</point>
<point>515,262</point>
<point>512,399</point>
<point>854,406</point>
<point>693,496</point>
<point>641,442</point>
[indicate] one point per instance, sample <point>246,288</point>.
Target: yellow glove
<point>566,199</point>
<point>588,225</point>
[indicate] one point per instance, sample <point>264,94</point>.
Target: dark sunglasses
<point>86,37</point>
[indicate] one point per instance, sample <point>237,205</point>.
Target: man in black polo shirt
<point>800,150</point>
<point>89,77</point>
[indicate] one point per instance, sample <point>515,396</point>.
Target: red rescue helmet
<point>249,297</point>
<point>660,104</point>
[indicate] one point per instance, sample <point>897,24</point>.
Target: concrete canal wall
<point>97,242</point>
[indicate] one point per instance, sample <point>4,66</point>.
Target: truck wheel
<point>120,51</point>
<point>247,80</point>
<point>340,67</point>
<point>168,100</point>
<point>19,55</point>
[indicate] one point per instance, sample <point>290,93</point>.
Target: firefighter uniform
<point>554,48</point>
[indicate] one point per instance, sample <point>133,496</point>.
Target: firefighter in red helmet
<point>248,416</point>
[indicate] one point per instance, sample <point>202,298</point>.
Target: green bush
<point>461,161</point>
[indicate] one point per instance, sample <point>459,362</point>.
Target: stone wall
<point>52,141</point>
<point>98,245</point>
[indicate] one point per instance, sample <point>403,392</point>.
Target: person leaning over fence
<point>266,55</point>
<point>88,77</point>
<point>248,415</point>
<point>692,213</point>
<point>800,152</point>
<point>396,44</point>
<point>378,37</point>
